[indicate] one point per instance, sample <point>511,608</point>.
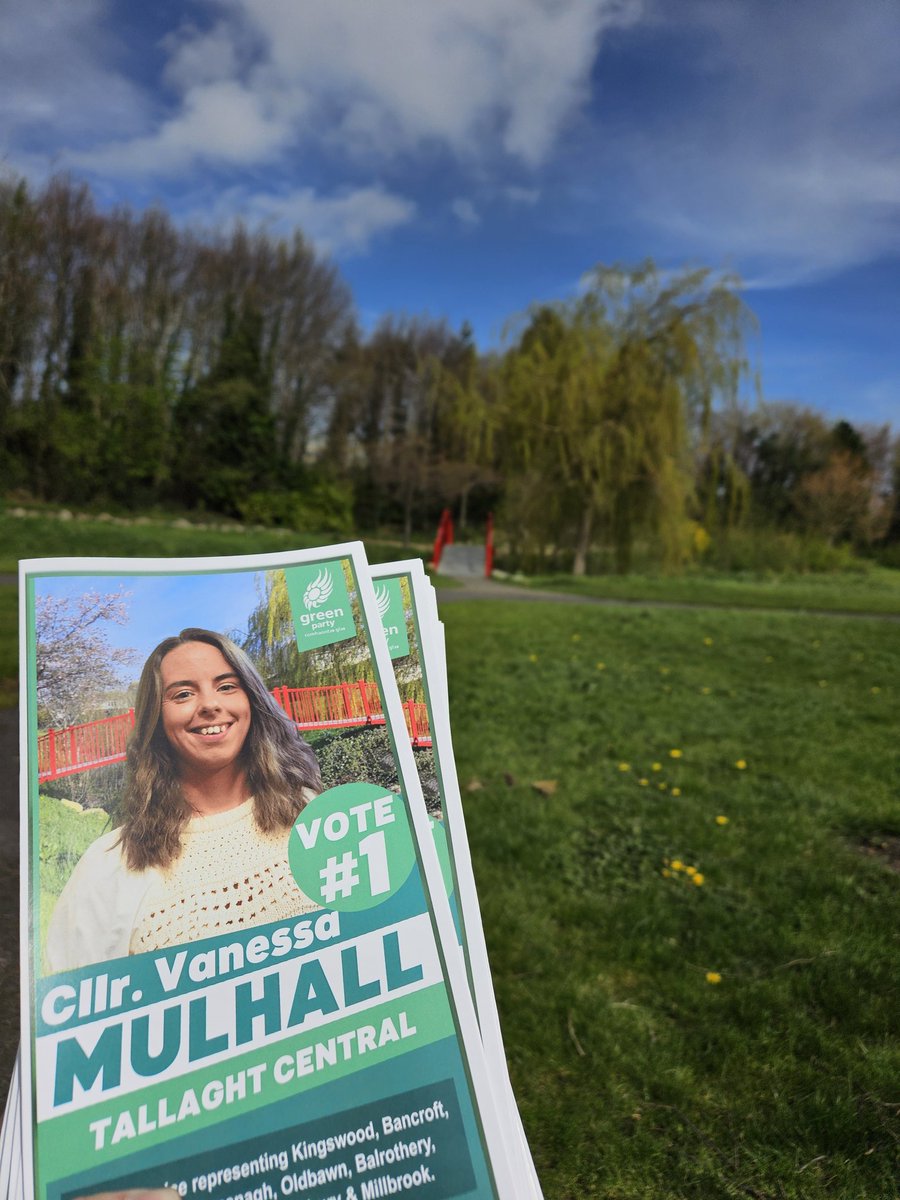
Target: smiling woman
<point>217,775</point>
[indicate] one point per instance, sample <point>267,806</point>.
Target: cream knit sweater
<point>229,875</point>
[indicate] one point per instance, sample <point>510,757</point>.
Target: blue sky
<point>468,158</point>
<point>159,606</point>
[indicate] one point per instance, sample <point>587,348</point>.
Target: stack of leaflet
<point>349,1050</point>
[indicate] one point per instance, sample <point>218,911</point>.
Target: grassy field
<point>873,589</point>
<point>694,938</point>
<point>47,536</point>
<point>693,935</point>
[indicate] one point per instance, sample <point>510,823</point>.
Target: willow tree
<point>612,393</point>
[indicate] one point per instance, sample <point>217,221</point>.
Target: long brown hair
<point>278,762</point>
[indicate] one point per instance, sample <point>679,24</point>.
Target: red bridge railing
<point>98,743</point>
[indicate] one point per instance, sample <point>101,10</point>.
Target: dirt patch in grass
<point>883,846</point>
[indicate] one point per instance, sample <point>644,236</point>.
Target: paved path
<point>490,589</point>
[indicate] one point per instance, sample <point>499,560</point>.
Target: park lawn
<point>639,1074</point>
<point>48,536</point>
<point>872,589</point>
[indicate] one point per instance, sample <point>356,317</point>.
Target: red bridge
<point>98,743</point>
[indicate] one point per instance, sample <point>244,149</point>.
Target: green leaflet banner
<point>389,598</point>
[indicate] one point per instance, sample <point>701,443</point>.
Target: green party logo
<point>389,602</point>
<point>320,604</point>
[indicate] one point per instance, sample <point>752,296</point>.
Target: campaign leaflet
<point>235,1002</point>
<point>415,637</point>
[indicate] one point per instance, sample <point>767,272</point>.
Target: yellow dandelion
<point>721,820</point>
<point>713,977</point>
<point>624,766</point>
<point>664,670</point>
<point>707,641</point>
<point>576,637</point>
<point>601,666</point>
<point>875,690</point>
<point>705,691</point>
<point>823,683</point>
<point>532,658</point>
<point>676,791</point>
<point>656,767</point>
<point>643,782</point>
<point>698,879</point>
<point>741,764</point>
<point>677,864</point>
<point>667,873</point>
<point>675,753</point>
<point>692,871</point>
<point>662,786</point>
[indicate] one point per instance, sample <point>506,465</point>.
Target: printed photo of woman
<point>216,776</point>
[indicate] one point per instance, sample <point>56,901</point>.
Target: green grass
<point>875,589</point>
<point>47,536</point>
<point>637,1077</point>
<point>66,832</point>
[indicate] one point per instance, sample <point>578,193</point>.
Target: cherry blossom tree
<point>76,663</point>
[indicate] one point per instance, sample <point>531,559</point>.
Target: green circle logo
<point>351,848</point>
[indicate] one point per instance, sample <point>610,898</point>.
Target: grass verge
<point>726,1033</point>
<point>48,536</point>
<point>875,590</point>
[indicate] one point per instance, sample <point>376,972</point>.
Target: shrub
<point>763,550</point>
<point>321,505</point>
<point>347,756</point>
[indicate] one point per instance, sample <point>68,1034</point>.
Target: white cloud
<point>791,167</point>
<point>464,211</point>
<point>342,224</point>
<point>221,122</point>
<point>61,81</point>
<point>383,78</point>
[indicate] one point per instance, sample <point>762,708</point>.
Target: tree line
<point>225,371</point>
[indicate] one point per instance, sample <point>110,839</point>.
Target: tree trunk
<point>464,506</point>
<point>622,534</point>
<point>583,545</point>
